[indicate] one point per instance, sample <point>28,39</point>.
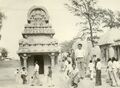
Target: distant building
<point>109,44</point>
<point>38,44</point>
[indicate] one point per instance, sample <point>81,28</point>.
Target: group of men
<point>22,76</point>
<point>113,69</point>
<point>74,68</point>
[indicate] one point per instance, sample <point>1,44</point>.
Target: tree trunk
<point>91,33</point>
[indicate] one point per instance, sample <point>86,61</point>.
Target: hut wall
<point>107,51</point>
<point>104,52</point>
<point>117,52</point>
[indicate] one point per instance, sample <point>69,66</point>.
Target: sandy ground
<point>7,79</point>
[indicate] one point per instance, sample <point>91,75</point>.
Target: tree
<point>89,15</point>
<point>110,19</point>
<point>4,52</point>
<point>66,46</point>
<point>2,16</point>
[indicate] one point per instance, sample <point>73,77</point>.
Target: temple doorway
<point>40,60</point>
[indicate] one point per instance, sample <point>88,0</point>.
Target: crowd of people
<point>113,69</point>
<point>76,68</point>
<point>22,76</point>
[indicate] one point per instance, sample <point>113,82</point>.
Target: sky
<point>63,22</point>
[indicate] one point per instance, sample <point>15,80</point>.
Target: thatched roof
<point>109,37</point>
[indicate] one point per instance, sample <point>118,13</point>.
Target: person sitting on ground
<point>75,79</point>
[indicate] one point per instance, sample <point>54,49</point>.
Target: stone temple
<point>38,43</point>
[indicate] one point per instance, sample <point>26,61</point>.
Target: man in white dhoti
<point>80,61</point>
<point>36,79</point>
<point>116,81</point>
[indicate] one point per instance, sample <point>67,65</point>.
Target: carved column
<point>25,57</point>
<point>52,56</point>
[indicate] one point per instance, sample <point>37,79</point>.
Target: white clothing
<point>117,65</point>
<point>91,69</point>
<point>110,66</point>
<point>91,74</point>
<point>66,63</point>
<point>75,71</point>
<point>17,77</point>
<point>91,66</point>
<point>69,59</point>
<point>65,54</point>
<point>114,65</point>
<point>65,66</point>
<point>69,68</point>
<point>37,67</point>
<point>94,59</point>
<point>99,65</point>
<point>24,72</point>
<point>79,53</point>
<point>49,81</point>
<point>16,72</point>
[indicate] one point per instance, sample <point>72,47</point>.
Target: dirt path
<point>7,80</point>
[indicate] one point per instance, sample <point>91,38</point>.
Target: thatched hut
<point>106,43</point>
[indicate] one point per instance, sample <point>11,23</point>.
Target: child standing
<point>31,81</point>
<point>98,72</point>
<point>91,69</point>
<point>24,75</point>
<point>17,76</point>
<point>62,66</point>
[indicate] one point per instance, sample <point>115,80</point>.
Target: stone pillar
<point>52,56</point>
<point>25,62</point>
<point>25,57</point>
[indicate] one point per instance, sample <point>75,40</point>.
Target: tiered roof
<point>38,33</point>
